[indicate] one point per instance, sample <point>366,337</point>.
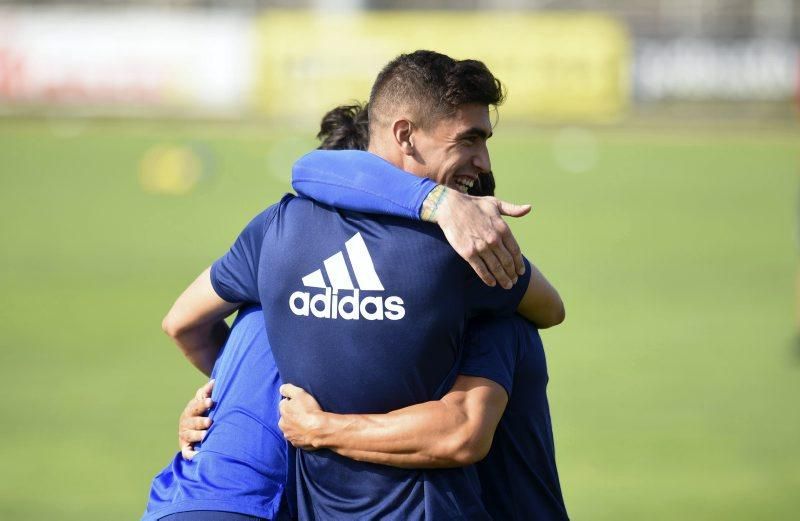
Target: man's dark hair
<point>346,128</point>
<point>433,85</point>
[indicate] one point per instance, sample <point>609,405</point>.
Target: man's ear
<point>402,130</point>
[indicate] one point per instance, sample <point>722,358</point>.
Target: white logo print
<point>331,304</point>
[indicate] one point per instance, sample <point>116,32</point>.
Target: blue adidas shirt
<point>241,466</point>
<point>367,313</point>
<point>519,478</point>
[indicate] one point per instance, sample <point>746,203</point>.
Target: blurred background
<point>658,142</point>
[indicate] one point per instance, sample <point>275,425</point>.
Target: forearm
<point>403,461</point>
<point>201,345</point>
<point>423,434</point>
<point>360,181</point>
<point>454,431</point>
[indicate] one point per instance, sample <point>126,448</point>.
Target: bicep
<point>481,403</point>
<point>480,400</point>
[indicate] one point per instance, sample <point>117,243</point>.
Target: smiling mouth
<point>463,184</point>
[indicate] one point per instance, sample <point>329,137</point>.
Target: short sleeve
<point>486,300</point>
<point>234,276</point>
<point>491,350</point>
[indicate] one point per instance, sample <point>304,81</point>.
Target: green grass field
<point>674,381</point>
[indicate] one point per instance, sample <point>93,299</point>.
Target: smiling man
<point>367,312</point>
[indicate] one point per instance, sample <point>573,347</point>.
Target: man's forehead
<point>468,117</point>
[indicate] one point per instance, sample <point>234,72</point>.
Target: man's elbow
<point>468,449</point>
<point>473,454</point>
<point>560,314</point>
<point>173,326</point>
<point>556,315</point>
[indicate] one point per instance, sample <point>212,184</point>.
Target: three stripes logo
<point>348,305</point>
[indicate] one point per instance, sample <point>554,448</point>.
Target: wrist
<point>432,205</point>
<point>318,436</point>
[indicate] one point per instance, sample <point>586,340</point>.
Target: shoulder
<point>287,205</point>
<point>492,330</point>
<point>295,205</point>
<point>266,216</point>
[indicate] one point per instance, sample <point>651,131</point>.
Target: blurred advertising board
<point>569,66</point>
<point>130,57</point>
<point>702,69</point>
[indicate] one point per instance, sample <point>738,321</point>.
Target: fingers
<point>516,254</point>
<point>191,437</point>
<point>293,436</point>
<point>198,407</point>
<point>496,266</point>
<point>509,242</point>
<point>507,263</point>
<point>499,261</point>
<point>201,403</point>
<point>205,391</point>
<point>284,423</point>
<point>188,452</point>
<point>513,210</point>
<point>496,256</point>
<point>195,435</point>
<point>198,423</point>
<point>193,430</point>
<point>482,270</point>
<point>193,425</point>
<point>289,391</point>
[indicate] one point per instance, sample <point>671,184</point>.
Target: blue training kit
<point>349,307</point>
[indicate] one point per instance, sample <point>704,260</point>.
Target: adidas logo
<point>350,305</point>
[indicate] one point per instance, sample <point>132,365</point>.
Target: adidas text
<point>347,307</point>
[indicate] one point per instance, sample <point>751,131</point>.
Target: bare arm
<point>541,304</point>
<point>452,432</point>
<point>196,322</point>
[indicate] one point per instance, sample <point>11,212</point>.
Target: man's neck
<point>393,155</point>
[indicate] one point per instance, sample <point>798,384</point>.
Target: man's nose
<point>481,160</point>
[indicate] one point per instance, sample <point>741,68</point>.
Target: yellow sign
<point>556,67</point>
<point>172,170</point>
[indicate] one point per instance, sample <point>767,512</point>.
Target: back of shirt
<point>367,314</point>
